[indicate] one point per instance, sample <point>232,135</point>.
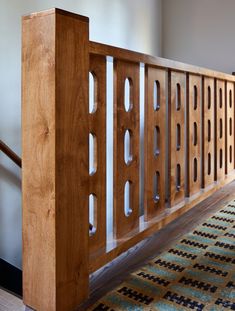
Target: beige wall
<point>200,32</point>
<point>133,24</point>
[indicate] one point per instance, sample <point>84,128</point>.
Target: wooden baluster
<point>126,171</point>
<point>155,141</point>
<point>230,162</point>
<point>220,130</point>
<point>177,137</point>
<point>194,134</point>
<point>55,160</point>
<point>97,128</point>
<point>208,140</point>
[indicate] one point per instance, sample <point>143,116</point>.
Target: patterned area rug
<point>197,273</point>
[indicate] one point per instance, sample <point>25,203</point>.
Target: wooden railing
<point>188,151</point>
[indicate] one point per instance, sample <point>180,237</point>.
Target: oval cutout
<point>178,97</point>
<point>230,98</point>
<point>92,213</point>
<point>194,133</point>
<point>128,157</point>
<point>209,97</point>
<point>230,127</point>
<point>230,154</point>
<point>195,169</point>
<point>178,177</point>
<point>92,154</point>
<point>195,97</point>
<point>220,98</point>
<point>209,130</point>
<point>156,192</point>
<point>92,93</point>
<point>127,199</point>
<point>220,128</point>
<point>209,164</point>
<point>178,136</point>
<point>156,143</point>
<point>128,94</point>
<point>220,158</point>
<point>156,96</point>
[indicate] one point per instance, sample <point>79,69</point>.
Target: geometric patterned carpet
<point>196,273</point>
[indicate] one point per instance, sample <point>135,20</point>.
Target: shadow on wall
<point>10,213</point>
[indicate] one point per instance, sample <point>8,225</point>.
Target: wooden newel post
<point>55,65</point>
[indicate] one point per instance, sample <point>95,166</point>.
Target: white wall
<point>200,32</point>
<point>133,24</point>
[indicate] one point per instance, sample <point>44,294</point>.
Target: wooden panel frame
<point>55,65</point>
<point>230,125</point>
<point>176,157</point>
<point>220,148</point>
<point>154,161</point>
<point>194,134</point>
<point>97,127</point>
<point>126,120</point>
<point>208,141</point>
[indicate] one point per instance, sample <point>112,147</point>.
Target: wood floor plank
<point>9,302</point>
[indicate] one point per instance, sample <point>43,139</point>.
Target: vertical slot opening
<point>156,192</point>
<point>195,97</point>
<point>220,128</point>
<point>128,157</point>
<point>195,169</point>
<point>156,95</point>
<point>128,94</point>
<point>230,98</point>
<point>156,144</point>
<point>127,199</point>
<point>178,97</point>
<point>209,164</point>
<point>230,154</point>
<point>220,158</point>
<point>178,136</point>
<point>230,127</point>
<point>178,177</point>
<point>209,97</point>
<point>220,98</point>
<point>93,213</point>
<point>92,92</point>
<point>195,133</point>
<point>209,130</point>
<point>92,154</point>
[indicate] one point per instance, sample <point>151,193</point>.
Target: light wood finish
<point>9,302</point>
<point>57,57</point>
<point>97,260</point>
<point>208,132</point>
<point>230,127</point>
<point>220,130</point>
<point>127,55</point>
<point>55,160</point>
<point>177,122</point>
<point>155,160</point>
<point>11,154</point>
<point>126,120</point>
<point>97,127</point>
<point>194,134</point>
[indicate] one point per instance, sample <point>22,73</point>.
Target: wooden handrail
<point>10,153</point>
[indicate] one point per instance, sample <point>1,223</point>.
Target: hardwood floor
<point>118,270</point>
<point>9,302</point>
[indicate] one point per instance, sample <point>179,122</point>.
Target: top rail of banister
<point>132,56</point>
<point>128,55</point>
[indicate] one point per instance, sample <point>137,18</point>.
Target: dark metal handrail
<point>10,153</point>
